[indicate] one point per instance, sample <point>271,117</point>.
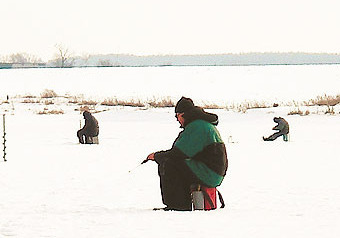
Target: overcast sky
<point>146,27</point>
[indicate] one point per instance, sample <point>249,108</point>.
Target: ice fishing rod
<point>143,162</point>
<point>4,136</point>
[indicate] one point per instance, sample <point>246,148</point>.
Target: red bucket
<point>209,198</point>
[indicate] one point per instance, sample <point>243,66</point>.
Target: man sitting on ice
<point>198,156</point>
<point>90,129</point>
<point>282,127</point>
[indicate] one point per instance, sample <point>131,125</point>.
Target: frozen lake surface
<point>208,84</point>
<point>51,186</point>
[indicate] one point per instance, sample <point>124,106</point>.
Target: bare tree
<point>64,58</point>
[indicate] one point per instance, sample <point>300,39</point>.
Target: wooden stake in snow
<point>4,127</point>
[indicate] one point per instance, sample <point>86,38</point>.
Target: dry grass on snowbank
<point>325,100</point>
<point>50,98</point>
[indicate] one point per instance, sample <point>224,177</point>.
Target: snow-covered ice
<point>51,186</point>
<point>207,84</point>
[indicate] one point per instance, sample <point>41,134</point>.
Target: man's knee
<point>171,166</point>
<point>80,133</point>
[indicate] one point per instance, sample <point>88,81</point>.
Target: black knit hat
<point>184,105</point>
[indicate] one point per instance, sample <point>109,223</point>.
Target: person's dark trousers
<point>274,136</point>
<point>81,134</point>
<point>175,181</point>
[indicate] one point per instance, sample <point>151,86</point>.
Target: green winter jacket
<point>282,125</point>
<point>202,144</point>
<point>201,147</point>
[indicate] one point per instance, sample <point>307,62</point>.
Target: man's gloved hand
<point>150,157</point>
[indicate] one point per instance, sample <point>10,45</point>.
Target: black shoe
<point>167,208</point>
<point>162,209</point>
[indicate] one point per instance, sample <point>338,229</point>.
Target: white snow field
<point>51,186</point>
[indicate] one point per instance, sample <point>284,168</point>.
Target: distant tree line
<point>21,58</point>
<point>64,58</point>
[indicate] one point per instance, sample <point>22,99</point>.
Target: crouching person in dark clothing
<point>89,130</point>
<point>282,127</point>
<point>198,155</point>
